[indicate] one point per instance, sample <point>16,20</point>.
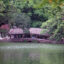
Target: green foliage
<point>59,32</point>
<point>34,13</point>
<point>46,25</point>
<point>2,6</point>
<point>36,24</point>
<point>53,3</point>
<point>23,20</point>
<point>39,12</point>
<point>44,31</point>
<point>55,25</point>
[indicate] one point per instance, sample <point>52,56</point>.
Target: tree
<point>2,8</point>
<point>56,25</point>
<point>22,20</point>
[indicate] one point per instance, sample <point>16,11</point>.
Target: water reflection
<point>30,56</point>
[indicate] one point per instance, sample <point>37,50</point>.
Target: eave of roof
<point>16,31</point>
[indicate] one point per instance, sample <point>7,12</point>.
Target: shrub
<point>44,31</point>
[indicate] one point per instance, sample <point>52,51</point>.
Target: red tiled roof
<point>35,30</point>
<point>16,31</point>
<point>6,26</point>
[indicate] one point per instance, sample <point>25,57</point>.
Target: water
<point>31,54</point>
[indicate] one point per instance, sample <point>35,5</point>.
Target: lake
<point>25,53</point>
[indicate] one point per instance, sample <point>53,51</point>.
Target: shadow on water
<point>31,56</point>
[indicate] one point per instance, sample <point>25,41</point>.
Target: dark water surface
<point>14,53</point>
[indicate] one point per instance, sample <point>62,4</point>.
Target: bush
<point>36,24</point>
<point>46,24</point>
<point>44,31</point>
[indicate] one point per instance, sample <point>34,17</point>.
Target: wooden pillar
<point>22,35</point>
<point>10,36</point>
<point>31,35</point>
<point>36,35</point>
<point>16,36</point>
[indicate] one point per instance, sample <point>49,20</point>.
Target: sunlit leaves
<point>2,6</point>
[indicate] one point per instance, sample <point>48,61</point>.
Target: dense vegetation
<point>47,14</point>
